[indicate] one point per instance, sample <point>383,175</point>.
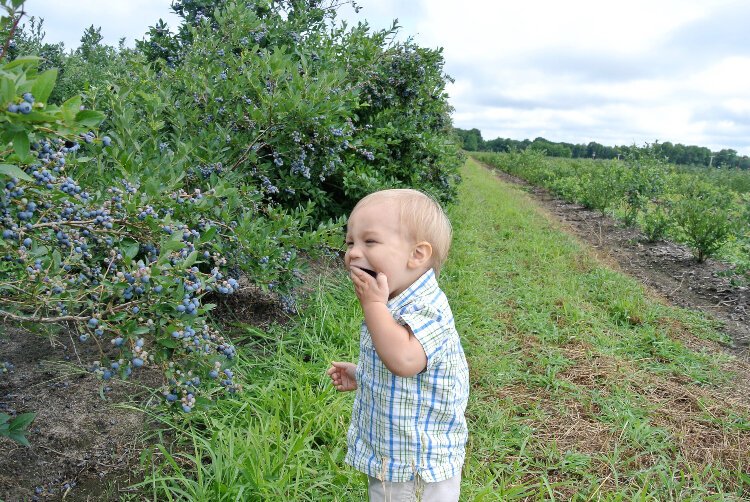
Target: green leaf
<point>44,84</point>
<point>89,118</point>
<point>208,235</point>
<point>7,90</point>
<point>129,248</point>
<point>22,421</point>
<point>19,438</point>
<point>16,428</point>
<point>21,144</point>
<point>191,259</point>
<point>40,251</point>
<point>14,172</point>
<point>71,107</point>
<point>174,243</point>
<point>24,60</point>
<point>167,342</point>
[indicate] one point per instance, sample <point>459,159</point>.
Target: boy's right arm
<point>343,376</point>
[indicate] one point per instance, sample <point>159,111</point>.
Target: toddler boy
<point>408,431</point>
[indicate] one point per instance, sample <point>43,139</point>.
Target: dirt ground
<point>85,443</point>
<point>664,267</point>
<point>81,444</point>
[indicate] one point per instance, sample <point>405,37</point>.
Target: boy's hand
<point>343,376</point>
<point>369,289</point>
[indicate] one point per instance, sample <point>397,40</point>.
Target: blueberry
<point>24,108</point>
<point>28,97</point>
<point>106,141</point>
<point>27,242</point>
<point>93,322</point>
<point>137,362</point>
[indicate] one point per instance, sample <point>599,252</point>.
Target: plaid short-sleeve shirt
<point>406,426</point>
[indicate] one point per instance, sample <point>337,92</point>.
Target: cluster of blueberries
<point>90,234</point>
<point>207,171</point>
<point>24,107</point>
<point>184,385</point>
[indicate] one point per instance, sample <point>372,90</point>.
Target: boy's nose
<point>354,252</point>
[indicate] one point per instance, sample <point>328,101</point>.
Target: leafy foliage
<point>702,214</point>
<point>232,158</point>
<point>15,428</point>
<point>642,189</point>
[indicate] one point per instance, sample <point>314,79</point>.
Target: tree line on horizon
<point>693,155</point>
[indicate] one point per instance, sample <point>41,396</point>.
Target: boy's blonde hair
<point>421,216</point>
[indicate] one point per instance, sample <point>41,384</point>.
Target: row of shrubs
<point>229,152</point>
<point>645,191</point>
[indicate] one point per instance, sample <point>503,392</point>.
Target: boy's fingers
<point>381,280</point>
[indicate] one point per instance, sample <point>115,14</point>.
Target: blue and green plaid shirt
<point>406,426</point>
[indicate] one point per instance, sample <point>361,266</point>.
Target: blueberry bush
<point>227,154</point>
<point>643,189</point>
<point>123,273</point>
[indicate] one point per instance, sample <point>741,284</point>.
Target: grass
<point>584,387</point>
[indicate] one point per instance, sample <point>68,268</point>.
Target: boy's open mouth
<point>371,272</point>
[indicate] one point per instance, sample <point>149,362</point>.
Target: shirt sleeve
<point>427,326</point>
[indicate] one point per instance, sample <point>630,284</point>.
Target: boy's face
<point>376,241</point>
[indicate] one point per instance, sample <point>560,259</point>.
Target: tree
<point>471,139</point>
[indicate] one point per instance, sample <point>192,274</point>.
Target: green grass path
<point>583,387</point>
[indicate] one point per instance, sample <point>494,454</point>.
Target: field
<point>706,209</point>
<point>585,385</point>
<point>172,288</point>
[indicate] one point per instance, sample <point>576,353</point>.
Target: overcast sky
<point>614,72</point>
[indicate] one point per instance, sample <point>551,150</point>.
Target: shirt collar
<point>426,282</point>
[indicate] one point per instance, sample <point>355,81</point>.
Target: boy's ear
<point>421,254</point>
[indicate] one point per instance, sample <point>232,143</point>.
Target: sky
<point>614,72</point>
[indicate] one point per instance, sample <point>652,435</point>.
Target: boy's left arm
<point>396,346</point>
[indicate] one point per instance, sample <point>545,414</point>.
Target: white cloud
<point>66,21</point>
<point>577,71</point>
